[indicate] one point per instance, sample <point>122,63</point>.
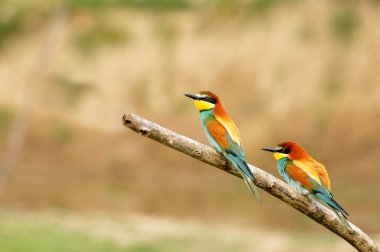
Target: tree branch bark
<point>319,213</point>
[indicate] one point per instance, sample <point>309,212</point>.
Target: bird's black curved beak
<point>269,149</point>
<point>194,97</point>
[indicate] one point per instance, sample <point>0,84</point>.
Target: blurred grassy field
<point>297,70</point>
<point>97,232</point>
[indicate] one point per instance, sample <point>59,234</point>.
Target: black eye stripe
<point>285,150</point>
<point>209,99</point>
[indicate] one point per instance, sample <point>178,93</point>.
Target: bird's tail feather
<point>245,172</point>
<point>240,165</point>
<point>331,202</point>
<point>339,211</point>
<point>249,182</point>
<point>342,217</point>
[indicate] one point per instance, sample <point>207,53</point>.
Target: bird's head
<point>204,100</point>
<point>290,150</point>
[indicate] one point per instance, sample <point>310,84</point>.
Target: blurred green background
<point>72,178</point>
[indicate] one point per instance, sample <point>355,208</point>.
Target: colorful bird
<point>223,134</point>
<point>305,175</point>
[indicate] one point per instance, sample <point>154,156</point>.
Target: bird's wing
<point>299,175</point>
<point>309,169</point>
<point>322,172</point>
<point>230,126</point>
<point>222,136</point>
<point>318,188</point>
<point>217,132</point>
<point>231,150</point>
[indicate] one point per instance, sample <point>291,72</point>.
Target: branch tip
<point>126,120</point>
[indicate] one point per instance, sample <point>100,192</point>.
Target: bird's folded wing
<point>230,126</point>
<point>218,132</point>
<point>221,135</point>
<point>299,175</point>
<point>309,169</point>
<point>315,170</point>
<point>322,172</point>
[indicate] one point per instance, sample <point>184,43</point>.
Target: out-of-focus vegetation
<point>90,39</point>
<point>286,70</point>
<point>6,118</point>
<point>49,231</point>
<point>72,91</point>
<point>343,23</point>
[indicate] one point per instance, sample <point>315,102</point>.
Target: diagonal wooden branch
<point>319,213</point>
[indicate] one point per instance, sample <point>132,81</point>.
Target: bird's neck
<point>205,114</point>
<point>220,111</point>
<point>299,155</point>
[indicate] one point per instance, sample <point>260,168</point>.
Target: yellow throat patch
<point>278,155</point>
<point>203,105</point>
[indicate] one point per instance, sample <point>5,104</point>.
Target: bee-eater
<point>223,134</point>
<point>306,175</point>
